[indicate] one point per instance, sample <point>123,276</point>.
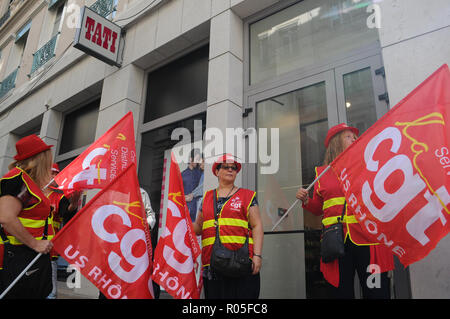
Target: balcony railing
<point>44,54</point>
<point>8,83</point>
<point>103,7</point>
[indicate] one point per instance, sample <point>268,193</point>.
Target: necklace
<point>228,192</point>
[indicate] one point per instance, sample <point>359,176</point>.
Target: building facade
<point>279,71</point>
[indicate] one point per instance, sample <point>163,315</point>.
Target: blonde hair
<point>38,167</point>
<point>335,147</point>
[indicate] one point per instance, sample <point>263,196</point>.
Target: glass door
<point>361,92</point>
<point>300,112</point>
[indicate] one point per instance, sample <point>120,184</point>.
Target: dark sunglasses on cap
<point>227,167</point>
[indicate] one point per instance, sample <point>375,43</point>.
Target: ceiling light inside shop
<point>298,20</point>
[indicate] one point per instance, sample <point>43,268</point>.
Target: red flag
<point>103,161</point>
<point>177,249</point>
<point>396,176</point>
<point>109,240</point>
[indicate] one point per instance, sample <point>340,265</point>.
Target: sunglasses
<point>227,167</point>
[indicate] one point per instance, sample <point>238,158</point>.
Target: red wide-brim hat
<point>337,129</point>
<point>29,146</point>
<point>226,158</point>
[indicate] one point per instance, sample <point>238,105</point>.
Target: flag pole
<point>48,184</point>
<point>20,275</point>
<point>295,203</point>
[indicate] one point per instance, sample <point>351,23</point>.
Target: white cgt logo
<point>411,187</point>
<point>141,263</point>
<point>179,233</point>
<point>90,172</point>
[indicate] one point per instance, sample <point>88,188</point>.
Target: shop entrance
<point>302,111</point>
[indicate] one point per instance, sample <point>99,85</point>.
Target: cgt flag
<point>396,176</point>
<point>109,240</point>
<point>103,161</point>
<point>178,248</point>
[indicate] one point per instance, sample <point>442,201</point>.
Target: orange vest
<point>329,200</point>
<point>33,218</point>
<point>233,223</point>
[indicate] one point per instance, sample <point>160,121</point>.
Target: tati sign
<point>98,37</point>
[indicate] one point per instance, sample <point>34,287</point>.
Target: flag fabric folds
<point>109,240</point>
<point>177,249</point>
<point>103,161</point>
<point>396,176</point>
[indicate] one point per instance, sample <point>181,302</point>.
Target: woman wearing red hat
<point>24,215</point>
<point>361,255</point>
<point>239,224</point>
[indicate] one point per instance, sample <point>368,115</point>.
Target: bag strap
<point>215,205</point>
<point>3,235</point>
<point>340,219</point>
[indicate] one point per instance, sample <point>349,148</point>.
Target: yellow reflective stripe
<point>226,222</point>
<point>208,224</point>
<point>235,239</point>
<point>208,241</point>
<point>226,240</point>
<point>14,241</point>
<point>333,202</point>
<point>32,223</point>
<point>333,220</point>
<point>233,222</point>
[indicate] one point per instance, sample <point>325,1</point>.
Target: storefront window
<point>301,117</point>
<point>156,147</point>
<point>79,127</point>
<point>177,85</point>
<point>307,33</point>
<point>359,99</point>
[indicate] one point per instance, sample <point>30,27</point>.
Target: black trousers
<point>220,287</point>
<point>36,283</point>
<point>357,259</point>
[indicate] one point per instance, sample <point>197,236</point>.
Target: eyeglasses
<point>227,167</point>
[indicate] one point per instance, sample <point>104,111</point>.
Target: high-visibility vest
<point>329,195</point>
<point>35,217</point>
<point>233,223</point>
<point>329,200</point>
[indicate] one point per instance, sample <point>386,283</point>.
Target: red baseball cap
<point>29,146</point>
<point>226,158</point>
<point>337,129</point>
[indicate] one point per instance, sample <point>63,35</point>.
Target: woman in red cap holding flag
<point>24,216</point>
<point>370,260</point>
<point>237,220</point>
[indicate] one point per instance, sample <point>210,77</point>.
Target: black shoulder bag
<point>226,262</point>
<point>332,243</point>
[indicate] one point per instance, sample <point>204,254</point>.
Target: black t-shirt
<point>16,187</point>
